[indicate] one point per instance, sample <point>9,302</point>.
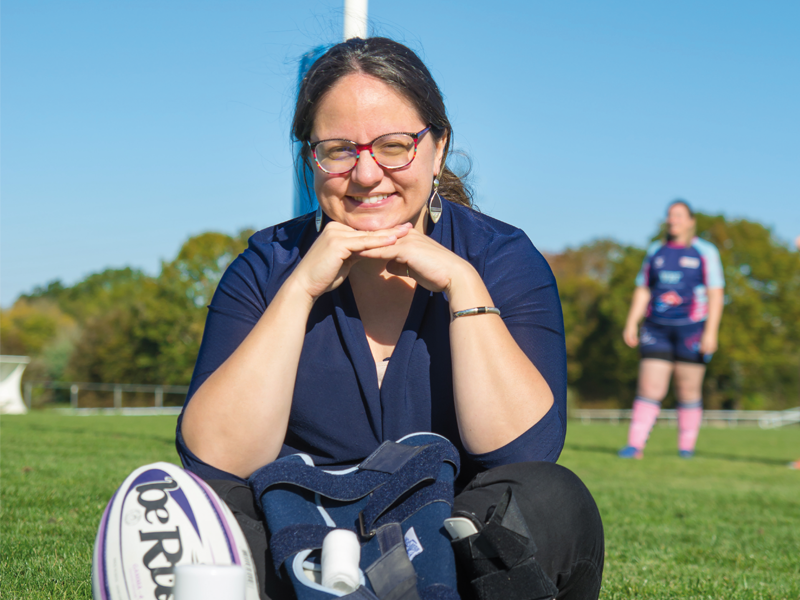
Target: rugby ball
<point>161,517</point>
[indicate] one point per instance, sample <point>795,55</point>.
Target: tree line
<point>124,326</point>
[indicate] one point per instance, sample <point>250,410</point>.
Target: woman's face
<point>679,222</point>
<point>361,108</point>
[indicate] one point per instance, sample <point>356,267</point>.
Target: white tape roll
<point>341,554</point>
<point>209,582</point>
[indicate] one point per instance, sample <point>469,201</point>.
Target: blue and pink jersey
<point>678,278</point>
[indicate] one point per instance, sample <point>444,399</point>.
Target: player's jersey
<point>678,278</point>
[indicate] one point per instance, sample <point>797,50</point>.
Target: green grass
<point>725,525</point>
<point>58,474</point>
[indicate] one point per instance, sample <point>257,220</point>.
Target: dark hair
<point>398,67</point>
<point>684,203</point>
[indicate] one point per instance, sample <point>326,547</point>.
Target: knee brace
<point>499,560</point>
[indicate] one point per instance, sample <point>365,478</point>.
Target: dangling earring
<point>318,218</point>
<point>435,202</point>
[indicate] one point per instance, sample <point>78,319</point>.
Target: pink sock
<point>644,415</point>
<point>690,416</point>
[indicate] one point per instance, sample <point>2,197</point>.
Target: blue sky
<point>129,126</point>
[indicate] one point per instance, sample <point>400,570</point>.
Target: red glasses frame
<point>361,147</point>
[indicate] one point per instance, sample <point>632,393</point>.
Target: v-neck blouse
<point>339,412</point>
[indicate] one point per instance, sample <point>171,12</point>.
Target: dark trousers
<point>558,509</point>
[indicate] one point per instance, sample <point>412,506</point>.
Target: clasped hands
<point>406,252</point>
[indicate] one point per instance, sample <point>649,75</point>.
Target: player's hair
<point>398,67</point>
<point>684,203</point>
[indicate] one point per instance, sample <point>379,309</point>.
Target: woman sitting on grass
<point>397,308</point>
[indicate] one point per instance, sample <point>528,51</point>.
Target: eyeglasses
<point>391,151</point>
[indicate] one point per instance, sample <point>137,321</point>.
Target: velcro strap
<point>345,488</point>
<point>390,457</point>
<point>441,491</point>
<point>412,468</point>
<point>426,467</point>
<point>507,533</point>
<point>392,576</point>
<point>526,581</point>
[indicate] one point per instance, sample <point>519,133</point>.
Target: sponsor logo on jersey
<point>668,300</point>
<point>689,262</point>
<point>670,277</point>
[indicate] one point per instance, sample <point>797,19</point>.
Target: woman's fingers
<point>416,255</point>
<point>333,253</point>
<point>400,269</point>
<point>359,241</point>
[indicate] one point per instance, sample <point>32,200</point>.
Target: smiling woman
<point>397,309</point>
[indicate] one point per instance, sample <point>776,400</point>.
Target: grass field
<point>725,525</point>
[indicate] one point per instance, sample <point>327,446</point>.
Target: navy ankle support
<point>396,502</point>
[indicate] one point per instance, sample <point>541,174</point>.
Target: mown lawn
<point>725,525</point>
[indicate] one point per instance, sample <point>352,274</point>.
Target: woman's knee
<point>541,485</point>
<point>561,514</point>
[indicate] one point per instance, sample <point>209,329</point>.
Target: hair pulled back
<point>683,203</point>
<point>398,67</point>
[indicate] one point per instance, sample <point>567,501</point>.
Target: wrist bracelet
<point>479,310</point>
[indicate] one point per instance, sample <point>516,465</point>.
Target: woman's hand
<point>631,335</point>
<point>708,342</point>
<point>432,265</point>
<point>338,247</point>
<point>639,303</point>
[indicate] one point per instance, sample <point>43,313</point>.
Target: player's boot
<point>794,465</point>
<point>630,452</point>
<point>686,453</point>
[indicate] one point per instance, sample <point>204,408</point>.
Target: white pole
<point>355,19</point>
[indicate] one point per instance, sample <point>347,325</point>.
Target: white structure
<point>11,368</point>
<point>355,19</point>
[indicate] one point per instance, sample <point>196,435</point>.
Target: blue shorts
<point>673,342</point>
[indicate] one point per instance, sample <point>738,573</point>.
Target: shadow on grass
<point>594,449</point>
<point>762,460</point>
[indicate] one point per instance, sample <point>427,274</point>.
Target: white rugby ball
<point>160,517</point>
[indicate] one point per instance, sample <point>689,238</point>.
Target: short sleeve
<point>712,265</point>
<point>524,289</point>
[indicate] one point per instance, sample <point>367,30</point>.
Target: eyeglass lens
<point>392,151</point>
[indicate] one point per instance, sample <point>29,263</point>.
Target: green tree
<point>201,262</point>
<point>39,329</point>
<point>758,362</point>
<point>609,367</point>
<point>151,333</point>
<point>97,293</point>
<point>583,275</point>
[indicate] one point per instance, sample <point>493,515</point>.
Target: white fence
<point>118,389</point>
<point>766,419</point>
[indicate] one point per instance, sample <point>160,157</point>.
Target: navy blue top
<point>339,414</point>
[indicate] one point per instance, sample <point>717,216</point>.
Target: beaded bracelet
<point>480,310</point>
